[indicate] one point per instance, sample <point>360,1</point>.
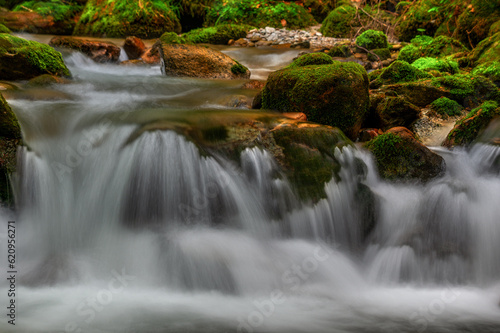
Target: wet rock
<point>33,22</point>
<point>151,55</point>
<point>134,47</point>
<point>199,61</point>
<point>333,94</point>
<point>401,157</point>
<point>46,80</point>
<point>396,111</point>
<point>21,59</point>
<point>135,62</point>
<point>98,51</point>
<point>254,84</point>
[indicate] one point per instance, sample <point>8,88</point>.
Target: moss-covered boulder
<point>432,64</point>
<point>379,54</point>
<point>261,14</point>
<point>425,46</point>
<point>21,59</point>
<point>220,34</point>
<point>317,58</point>
<point>396,111</point>
<point>467,129</point>
<point>487,51</point>
<point>474,23</point>
<point>372,39</point>
<point>422,17</point>
<point>96,50</point>
<point>401,157</point>
<point>340,51</point>
<point>398,71</point>
<point>197,61</point>
<point>446,107</point>
<point>4,29</point>
<point>334,94</point>
<point>121,18</point>
<point>338,22</point>
<point>10,138</point>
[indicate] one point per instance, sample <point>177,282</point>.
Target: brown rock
<point>254,84</point>
<point>296,115</point>
<point>34,23</point>
<point>135,62</point>
<point>152,55</point>
<point>199,61</point>
<point>98,51</point>
<point>367,134</point>
<point>134,47</point>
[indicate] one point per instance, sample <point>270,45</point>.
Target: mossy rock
<point>21,59</point>
<point>271,13</point>
<point>400,157</point>
<point>379,54</point>
<point>338,22</point>
<point>10,139</point>
<point>410,53</point>
<point>467,129</point>
<point>59,10</point>
<point>320,9</point>
<point>396,111</point>
<point>317,58</point>
<point>4,29</point>
<point>121,18</point>
<point>46,80</point>
<point>173,38</point>
<point>432,64</point>
<point>335,95</point>
<point>425,46</point>
<point>399,71</point>
<point>495,28</point>
<point>341,51</point>
<point>476,20</point>
<point>491,70</point>
<point>446,107</point>
<point>487,51</point>
<point>372,39</point>
<point>220,34</point>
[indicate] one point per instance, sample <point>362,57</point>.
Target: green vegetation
<point>382,54</point>
<point>396,111</point>
<point>467,129</point>
<point>9,126</point>
<point>317,58</point>
<point>440,65</point>
<point>399,71</point>
<point>338,22</point>
<point>173,38</point>
<point>446,107</point>
<point>335,94</point>
<point>259,13</point>
<point>475,21</point>
<point>120,18</point>
<point>220,34</point>
<point>341,51</point>
<point>238,68</point>
<point>59,10</point>
<point>468,89</point>
<point>487,51</point>
<point>491,70</point>
<point>4,29</point>
<point>410,53</point>
<point>23,59</point>
<point>425,46</point>
<point>372,39</point>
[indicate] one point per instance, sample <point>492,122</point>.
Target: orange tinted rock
<point>134,47</point>
<point>97,50</point>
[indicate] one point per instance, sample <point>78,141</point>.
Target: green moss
<point>40,58</point>
<point>441,65</point>
<point>9,126</point>
<point>372,39</point>
<point>495,28</point>
<point>467,129</point>
<point>317,58</point>
<point>401,71</point>
<point>59,10</point>
<point>490,70</point>
<point>335,94</point>
<point>487,51</point>
<point>468,88</point>
<point>4,29</point>
<point>338,22</point>
<point>173,38</point>
<point>410,53</point>
<point>373,75</point>
<point>446,107</point>
<point>425,46</point>
<point>120,18</point>
<point>220,34</point>
<point>238,68</point>
<point>259,13</point>
<point>342,51</point>
<point>396,111</point>
<point>310,154</point>
<point>382,54</point>
<point>475,21</point>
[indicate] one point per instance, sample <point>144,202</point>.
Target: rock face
<point>487,51</point>
<point>467,129</point>
<point>10,138</point>
<point>34,23</point>
<point>197,61</point>
<point>134,47</point>
<point>400,157</point>
<point>98,51</point>
<point>21,59</point>
<point>333,94</point>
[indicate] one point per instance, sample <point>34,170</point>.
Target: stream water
<point>152,236</point>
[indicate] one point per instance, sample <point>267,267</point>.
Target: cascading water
<point>150,235</point>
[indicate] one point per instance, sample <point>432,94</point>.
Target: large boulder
<point>397,72</point>
<point>197,61</point>
<point>98,51</point>
<point>396,111</point>
<point>21,59</point>
<point>121,18</point>
<point>487,51</point>
<point>467,129</point>
<point>425,46</point>
<point>10,139</point>
<point>372,39</point>
<point>333,94</point>
<point>401,157</point>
